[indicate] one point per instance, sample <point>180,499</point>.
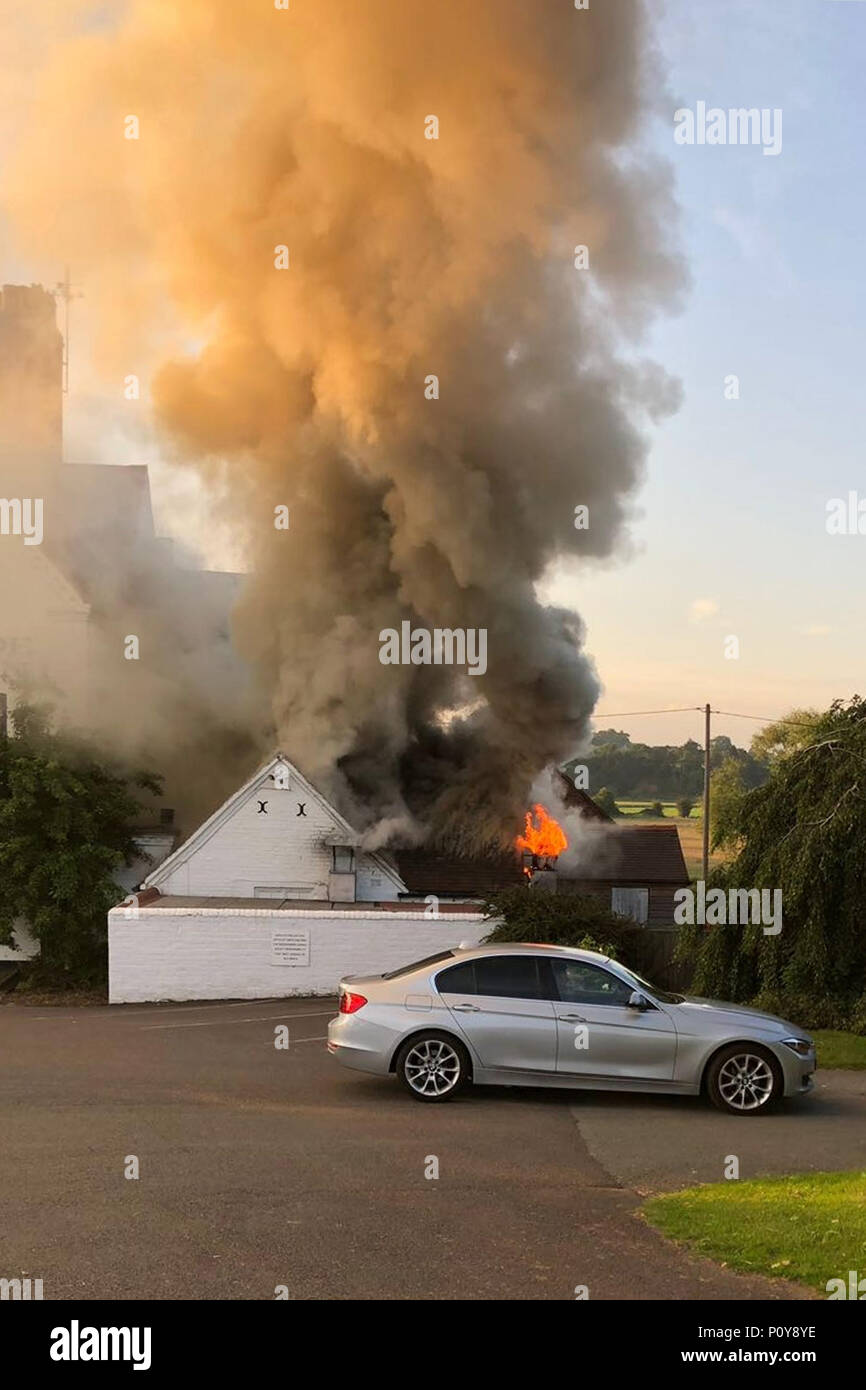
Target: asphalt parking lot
<point>261,1168</point>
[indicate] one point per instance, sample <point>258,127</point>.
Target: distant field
<point>690,830</point>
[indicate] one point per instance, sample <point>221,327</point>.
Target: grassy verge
<point>837,1049</point>
<point>810,1228</point>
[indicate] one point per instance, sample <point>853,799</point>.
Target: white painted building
<point>273,896</point>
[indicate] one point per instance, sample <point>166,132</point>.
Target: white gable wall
<point>270,853</point>
<point>276,850</point>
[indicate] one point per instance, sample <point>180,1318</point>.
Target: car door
<point>599,1035</point>
<point>501,1004</point>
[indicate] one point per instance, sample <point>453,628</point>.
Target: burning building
<point>278,894</point>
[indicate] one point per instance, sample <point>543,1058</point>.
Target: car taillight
<point>351,1003</point>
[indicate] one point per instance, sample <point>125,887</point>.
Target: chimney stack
<point>31,376</point>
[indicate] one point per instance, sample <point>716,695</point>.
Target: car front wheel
<point>433,1067</point>
<point>744,1080</point>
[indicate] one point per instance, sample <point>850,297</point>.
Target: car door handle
<point>571,1018</point>
<point>466,1009</point>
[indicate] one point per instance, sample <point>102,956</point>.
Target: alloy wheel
<point>432,1067</point>
<point>746,1081</point>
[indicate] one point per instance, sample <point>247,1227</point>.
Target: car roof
<point>516,948</point>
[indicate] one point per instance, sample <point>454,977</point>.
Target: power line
<point>633,713</point>
<point>699,709</point>
<point>766,719</point>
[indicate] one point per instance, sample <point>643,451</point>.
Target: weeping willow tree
<point>803,832</point>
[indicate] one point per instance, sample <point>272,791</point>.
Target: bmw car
<point>524,1015</point>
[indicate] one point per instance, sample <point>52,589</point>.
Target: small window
<point>631,902</point>
<point>343,857</point>
<point>579,982</point>
<point>458,979</point>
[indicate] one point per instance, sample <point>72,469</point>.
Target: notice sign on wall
<point>290,946</point>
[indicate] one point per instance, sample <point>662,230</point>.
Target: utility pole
<point>706,860</point>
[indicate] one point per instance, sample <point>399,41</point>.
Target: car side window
<point>508,977</point>
<point>457,979</point>
<point>579,982</point>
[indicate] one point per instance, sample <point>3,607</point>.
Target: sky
<point>728,537</point>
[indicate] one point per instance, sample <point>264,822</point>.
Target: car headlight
<point>802,1046</point>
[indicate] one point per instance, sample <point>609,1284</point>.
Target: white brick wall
<point>201,953</point>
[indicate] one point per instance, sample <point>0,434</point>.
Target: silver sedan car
<point>513,1015</point>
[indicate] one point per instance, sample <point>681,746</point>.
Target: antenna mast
<point>65,291</point>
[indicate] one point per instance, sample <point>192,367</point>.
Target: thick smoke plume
<point>305,386</point>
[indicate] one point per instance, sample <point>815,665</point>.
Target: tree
<point>562,919</point>
<point>642,771</point>
<point>785,736</point>
<point>727,788</point>
<point>611,738</point>
<point>690,768</point>
<point>803,832</point>
<point>685,806</point>
<point>65,831</point>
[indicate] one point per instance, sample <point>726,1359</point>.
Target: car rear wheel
<point>433,1066</point>
<point>744,1080</point>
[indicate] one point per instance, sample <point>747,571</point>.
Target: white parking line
<point>197,1008</point>
<point>231,1022</point>
<point>193,1008</point>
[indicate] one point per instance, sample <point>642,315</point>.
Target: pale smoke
<point>592,850</point>
<point>305,386</point>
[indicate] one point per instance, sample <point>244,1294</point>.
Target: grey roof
<point>639,854</point>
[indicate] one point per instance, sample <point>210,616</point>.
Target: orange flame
<point>543,836</point>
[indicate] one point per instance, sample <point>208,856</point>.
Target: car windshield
<point>663,995</point>
<point>418,965</point>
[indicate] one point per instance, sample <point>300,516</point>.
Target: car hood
<point>721,1006</point>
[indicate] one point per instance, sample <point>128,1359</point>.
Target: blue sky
<point>733,511</point>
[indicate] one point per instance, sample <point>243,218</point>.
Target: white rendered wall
<point>200,953</point>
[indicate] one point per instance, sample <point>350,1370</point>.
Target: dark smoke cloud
<point>408,257</point>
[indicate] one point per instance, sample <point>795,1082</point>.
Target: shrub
<point>563,919</point>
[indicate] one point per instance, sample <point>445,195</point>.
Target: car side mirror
<point>636,1000</point>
